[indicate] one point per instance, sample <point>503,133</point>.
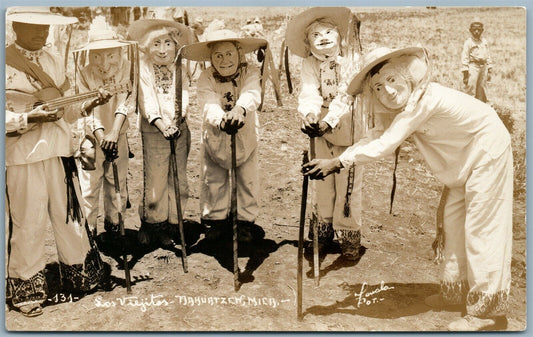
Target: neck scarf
<point>329,79</point>
<point>232,78</point>
<point>31,55</point>
<point>163,78</point>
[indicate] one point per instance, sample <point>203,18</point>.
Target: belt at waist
<point>479,62</point>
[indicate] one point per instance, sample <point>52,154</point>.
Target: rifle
<point>303,206</point>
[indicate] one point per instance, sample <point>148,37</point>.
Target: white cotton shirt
<point>453,131</point>
<point>103,116</point>
<point>310,99</point>
<point>215,98</point>
<point>40,141</point>
<point>153,102</point>
<point>479,49</point>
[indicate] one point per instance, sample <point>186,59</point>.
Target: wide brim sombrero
<point>105,44</point>
<point>295,35</point>
<point>104,39</point>
<point>138,29</point>
<point>375,57</point>
<point>201,51</point>
<point>38,16</point>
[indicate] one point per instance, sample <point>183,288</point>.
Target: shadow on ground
<point>113,245</point>
<point>391,300</point>
<point>257,250</point>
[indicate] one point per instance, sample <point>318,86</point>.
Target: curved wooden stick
<point>174,169</point>
<point>121,226</point>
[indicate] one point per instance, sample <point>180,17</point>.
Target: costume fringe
<point>482,304</point>
<point>454,292</point>
<point>438,243</point>
<point>30,291</point>
<point>74,211</point>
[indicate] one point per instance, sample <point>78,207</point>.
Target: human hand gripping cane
<point>110,158</point>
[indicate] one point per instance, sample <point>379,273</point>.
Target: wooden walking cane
<point>121,224</point>
<point>174,172</point>
<point>314,227</point>
<point>303,206</point>
<point>178,100</point>
<point>233,212</point>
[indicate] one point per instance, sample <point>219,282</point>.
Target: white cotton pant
<point>37,197</point>
<point>92,182</point>
<point>478,234</point>
<point>159,200</point>
<point>215,194</point>
<point>477,82</point>
<point>330,194</point>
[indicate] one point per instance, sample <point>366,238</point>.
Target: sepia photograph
<point>265,169</point>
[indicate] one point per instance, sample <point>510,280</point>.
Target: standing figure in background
<point>229,95</point>
<point>476,63</point>
<point>109,68</point>
<point>41,177</point>
<point>163,103</point>
<point>320,36</point>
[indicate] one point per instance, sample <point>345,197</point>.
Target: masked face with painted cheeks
<point>225,58</point>
<point>323,38</point>
<point>390,87</point>
<point>107,62</point>
<point>162,50</point>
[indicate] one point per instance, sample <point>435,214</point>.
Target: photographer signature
<point>366,297</point>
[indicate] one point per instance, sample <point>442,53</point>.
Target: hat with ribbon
<point>38,16</point>
<point>375,57</point>
<point>201,51</point>
<point>295,35</point>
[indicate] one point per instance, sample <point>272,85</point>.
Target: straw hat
<point>201,51</point>
<point>104,39</point>
<point>38,16</point>
<point>138,29</point>
<point>295,35</point>
<point>375,57</point>
<point>476,22</point>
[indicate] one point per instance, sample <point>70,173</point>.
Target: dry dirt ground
<point>383,291</point>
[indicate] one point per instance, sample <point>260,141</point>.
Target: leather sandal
<point>31,310</point>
